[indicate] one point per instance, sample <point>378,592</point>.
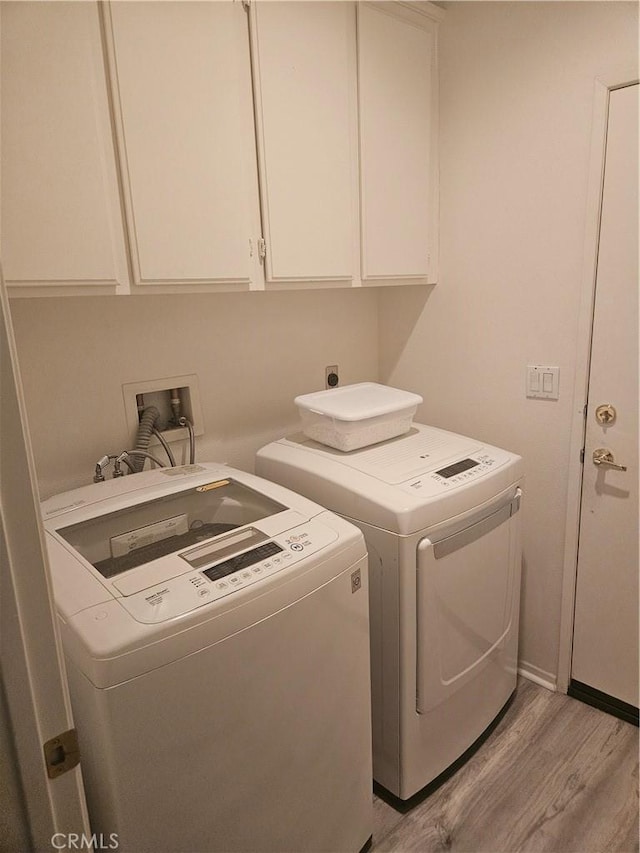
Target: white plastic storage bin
<point>356,416</point>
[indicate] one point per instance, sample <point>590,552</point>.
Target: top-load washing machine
<point>440,515</point>
<point>216,636</point>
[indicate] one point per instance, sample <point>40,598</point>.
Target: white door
<point>31,673</point>
<point>605,643</point>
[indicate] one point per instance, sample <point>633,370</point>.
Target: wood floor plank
<point>385,818</point>
<point>556,776</point>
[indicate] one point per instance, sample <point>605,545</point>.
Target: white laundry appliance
<point>440,515</point>
<point>216,636</point>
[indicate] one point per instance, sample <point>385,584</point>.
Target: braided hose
<point>145,430</point>
<point>163,441</point>
<point>192,439</point>
<point>127,455</point>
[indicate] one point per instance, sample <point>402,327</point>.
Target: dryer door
<point>468,589</point>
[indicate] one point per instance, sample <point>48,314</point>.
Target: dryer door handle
<point>475,530</point>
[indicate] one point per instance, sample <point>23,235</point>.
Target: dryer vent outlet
<point>331,377</point>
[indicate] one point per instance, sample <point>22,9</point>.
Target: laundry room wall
<point>252,354</point>
<point>516,98</point>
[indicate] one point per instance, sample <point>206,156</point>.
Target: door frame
<point>599,127</point>
<point>33,680</point>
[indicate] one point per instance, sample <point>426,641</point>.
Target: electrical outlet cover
<point>331,376</point>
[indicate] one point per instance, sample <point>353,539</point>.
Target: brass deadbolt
<point>605,414</point>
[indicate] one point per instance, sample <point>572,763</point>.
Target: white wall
<point>516,95</point>
<point>252,353</point>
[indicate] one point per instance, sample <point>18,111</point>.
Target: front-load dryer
<point>440,516</point>
<point>216,636</point>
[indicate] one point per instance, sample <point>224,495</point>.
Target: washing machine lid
<point>126,538</point>
<point>116,541</point>
<point>125,611</point>
<point>406,484</point>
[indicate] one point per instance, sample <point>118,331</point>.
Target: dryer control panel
<point>456,473</point>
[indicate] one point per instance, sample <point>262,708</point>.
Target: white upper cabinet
<point>156,146</point>
<point>61,218</point>
<point>182,89</point>
<point>398,135</point>
<point>305,87</point>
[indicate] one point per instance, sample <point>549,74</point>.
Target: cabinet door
<point>397,109</point>
<point>305,86</point>
<point>182,81</point>
<point>61,220</point>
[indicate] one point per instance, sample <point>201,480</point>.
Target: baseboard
<point>538,676</point>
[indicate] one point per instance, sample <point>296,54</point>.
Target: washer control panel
<point>194,589</point>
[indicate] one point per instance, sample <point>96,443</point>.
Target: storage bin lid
<point>358,402</point>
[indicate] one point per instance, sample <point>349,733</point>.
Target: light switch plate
<point>543,382</point>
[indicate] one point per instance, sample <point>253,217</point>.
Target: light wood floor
<point>555,776</point>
